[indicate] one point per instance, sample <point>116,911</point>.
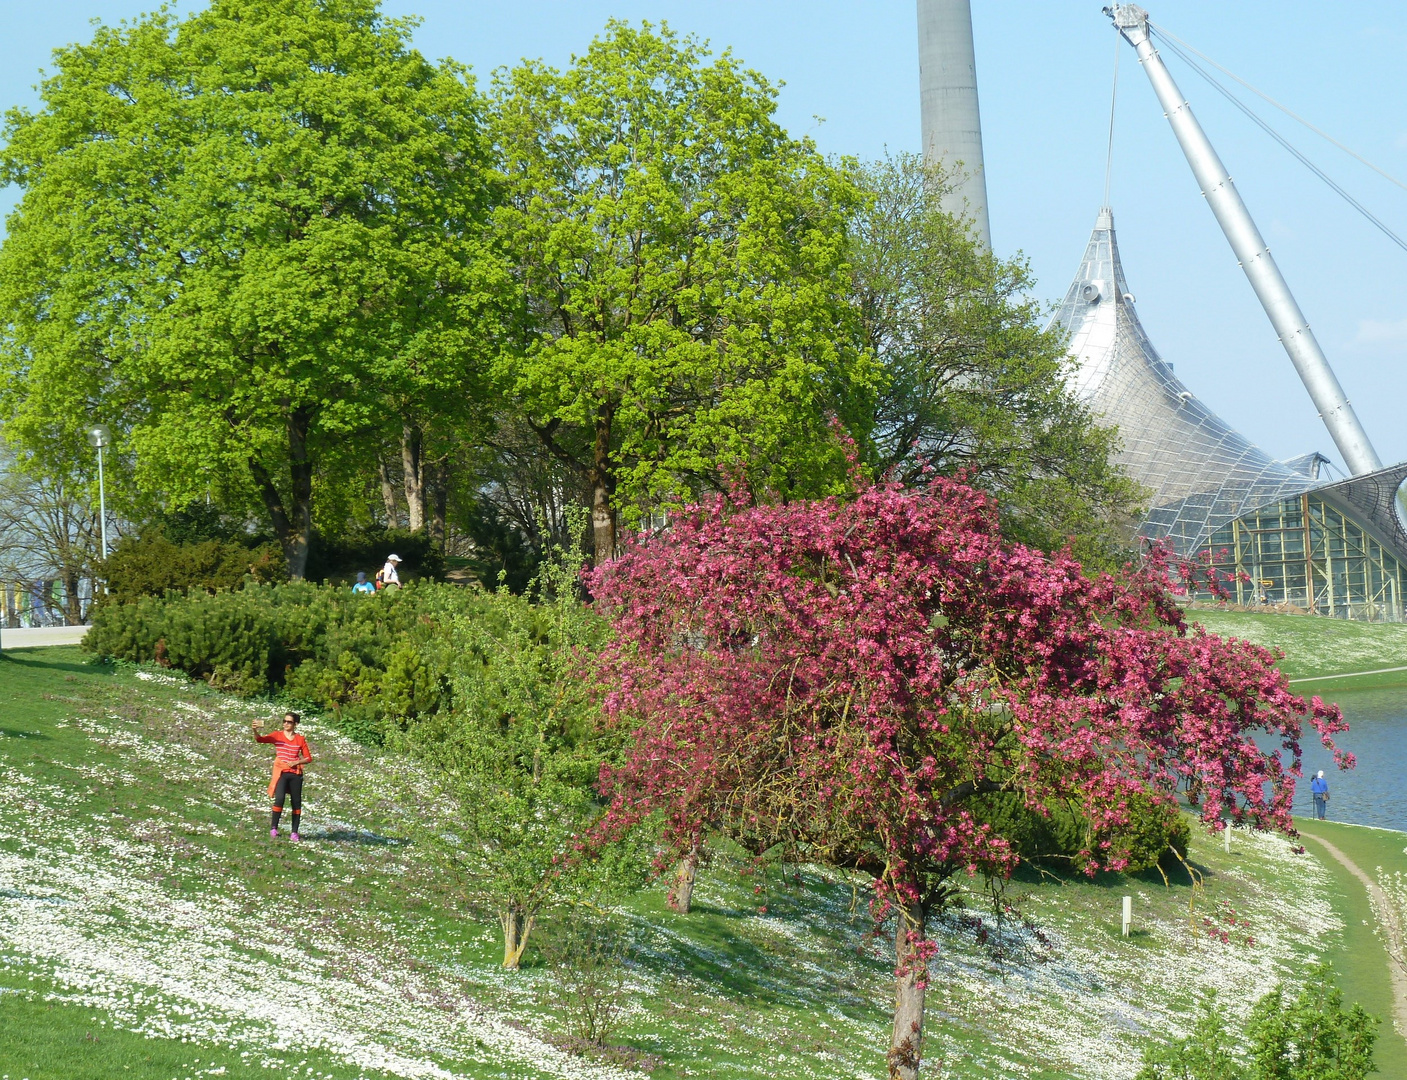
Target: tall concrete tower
<point>952,127</point>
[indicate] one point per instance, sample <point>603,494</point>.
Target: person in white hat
<point>388,575</point>
<point>1319,788</point>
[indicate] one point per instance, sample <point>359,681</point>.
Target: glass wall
<point>1306,553</point>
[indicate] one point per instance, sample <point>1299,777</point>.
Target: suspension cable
<point>1113,101</point>
<point>1170,36</point>
<point>1300,157</point>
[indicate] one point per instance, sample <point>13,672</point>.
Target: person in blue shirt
<point>362,585</point>
<point>1320,789</point>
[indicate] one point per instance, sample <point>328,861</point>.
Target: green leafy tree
<point>1312,1037</point>
<point>519,754</point>
<point>241,234</point>
<point>681,263</point>
<point>972,384</point>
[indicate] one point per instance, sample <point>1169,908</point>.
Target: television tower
<point>952,127</point>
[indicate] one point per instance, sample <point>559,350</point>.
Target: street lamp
<point>99,436</point>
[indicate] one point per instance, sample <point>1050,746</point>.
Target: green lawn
<point>42,1040</point>
<point>1316,647</point>
<point>143,906</point>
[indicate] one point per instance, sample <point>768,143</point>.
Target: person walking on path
<point>388,575</point>
<point>291,753</point>
<point>1319,787</point>
<point>362,585</point>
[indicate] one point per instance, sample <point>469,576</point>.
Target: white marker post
<point>1128,914</point>
<point>1226,838</point>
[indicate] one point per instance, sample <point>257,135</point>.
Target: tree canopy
<point>243,236</point>
<point>840,679</point>
<point>681,262</point>
<point>320,282</point>
<point>971,384</point>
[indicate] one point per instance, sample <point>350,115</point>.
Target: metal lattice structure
<point>1282,531</point>
<point>1200,472</point>
<point>1307,553</point>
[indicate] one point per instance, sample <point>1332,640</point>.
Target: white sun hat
<point>393,558</point>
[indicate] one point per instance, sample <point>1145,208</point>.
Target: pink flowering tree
<point>841,678</point>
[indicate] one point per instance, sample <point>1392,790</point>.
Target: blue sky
<point>1044,72</point>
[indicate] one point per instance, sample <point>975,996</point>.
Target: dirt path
<point>1391,926</point>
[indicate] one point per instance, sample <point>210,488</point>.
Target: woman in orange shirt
<point>291,753</point>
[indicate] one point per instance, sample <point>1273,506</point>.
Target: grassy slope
<point>1316,646</point>
<point>142,905</point>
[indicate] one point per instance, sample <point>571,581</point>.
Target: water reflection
<point>1374,793</point>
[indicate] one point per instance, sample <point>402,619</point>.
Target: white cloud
<point>1381,332</point>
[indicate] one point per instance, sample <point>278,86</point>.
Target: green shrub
<point>1308,1037</point>
<point>1062,833</point>
<point>369,661</point>
<point>152,565</point>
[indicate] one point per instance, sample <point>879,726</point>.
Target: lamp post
<point>99,436</point>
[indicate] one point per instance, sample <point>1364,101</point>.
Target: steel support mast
<point>952,126</point>
<point>1251,250</point>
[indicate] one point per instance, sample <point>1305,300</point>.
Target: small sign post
<point>1128,914</point>
<point>1226,837</point>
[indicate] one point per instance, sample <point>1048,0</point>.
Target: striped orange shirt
<point>287,750</point>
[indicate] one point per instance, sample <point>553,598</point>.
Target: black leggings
<point>289,783</point>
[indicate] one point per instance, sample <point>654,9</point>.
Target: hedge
<point>368,660</point>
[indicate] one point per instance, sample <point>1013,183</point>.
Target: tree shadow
<point>16,733</point>
<point>354,836</point>
<point>1173,873</point>
<point>32,659</point>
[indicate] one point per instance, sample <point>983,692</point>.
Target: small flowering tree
<point>840,678</point>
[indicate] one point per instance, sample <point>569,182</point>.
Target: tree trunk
<point>293,524</point>
<point>439,502</point>
<point>603,489</point>
<point>517,925</point>
<point>414,476</point>
<point>681,895</point>
<point>911,986</point>
<point>73,602</point>
<point>388,496</point>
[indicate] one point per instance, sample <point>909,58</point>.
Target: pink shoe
<point>297,838</point>
<point>273,834</point>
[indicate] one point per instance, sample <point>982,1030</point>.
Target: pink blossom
<point>841,677</point>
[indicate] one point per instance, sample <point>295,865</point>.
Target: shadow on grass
<point>733,952</point>
<point>354,836</point>
<point>16,733</point>
<point>33,660</point>
<point>1176,875</point>
<point>1135,936</point>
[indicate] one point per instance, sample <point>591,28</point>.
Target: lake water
<point>1374,793</point>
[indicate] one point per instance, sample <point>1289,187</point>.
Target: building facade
<point>1278,532</point>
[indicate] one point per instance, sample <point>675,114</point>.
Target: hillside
<point>149,928</point>
<point>1316,647</point>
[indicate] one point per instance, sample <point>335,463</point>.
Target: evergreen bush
<point>1061,833</point>
<point>370,661</point>
<point>152,564</point>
